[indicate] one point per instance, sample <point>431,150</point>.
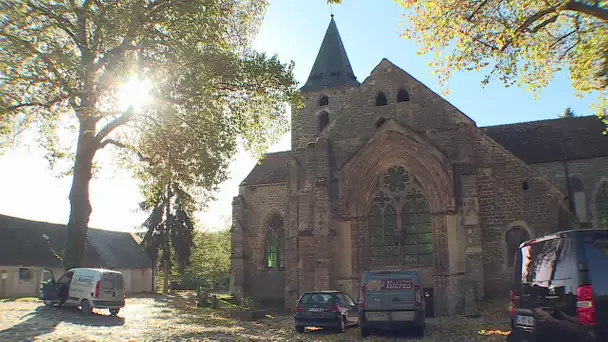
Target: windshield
<point>318,298</point>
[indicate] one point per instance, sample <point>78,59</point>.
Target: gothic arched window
<point>275,242</point>
<point>601,205</point>
<point>400,229</point>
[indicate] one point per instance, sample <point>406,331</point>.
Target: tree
<point>211,256</point>
<point>521,43</point>
<point>65,61</point>
<point>169,228</point>
<point>568,114</point>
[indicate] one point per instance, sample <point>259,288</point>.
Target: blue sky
<point>293,30</point>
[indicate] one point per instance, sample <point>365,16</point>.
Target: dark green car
<point>329,310</point>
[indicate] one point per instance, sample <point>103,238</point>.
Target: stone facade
<point>461,191</point>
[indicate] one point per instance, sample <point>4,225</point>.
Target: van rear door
<point>111,287</point>
<point>119,286</point>
<point>595,247</point>
<point>391,291</point>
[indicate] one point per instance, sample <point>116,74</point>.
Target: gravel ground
<point>160,318</point>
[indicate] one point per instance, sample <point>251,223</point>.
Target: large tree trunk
<point>80,204</point>
<point>166,271</point>
<point>166,243</point>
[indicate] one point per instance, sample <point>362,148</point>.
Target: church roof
<point>273,169</point>
<point>552,140</point>
<point>533,142</point>
<point>331,68</point>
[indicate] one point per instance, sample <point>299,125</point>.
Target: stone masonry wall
<point>262,201</point>
<point>590,172</point>
<point>509,191</point>
<point>305,121</point>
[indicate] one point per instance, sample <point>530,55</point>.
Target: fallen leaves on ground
<point>157,317</point>
<point>493,332</point>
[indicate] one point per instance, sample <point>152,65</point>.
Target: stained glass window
<point>601,205</point>
<point>275,256</point>
<point>400,229</point>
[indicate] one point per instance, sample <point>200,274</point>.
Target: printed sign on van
<point>391,284</point>
<point>400,284</point>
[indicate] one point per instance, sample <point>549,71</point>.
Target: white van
<point>87,288</point>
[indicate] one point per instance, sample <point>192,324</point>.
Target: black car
<point>330,310</point>
<point>560,288</point>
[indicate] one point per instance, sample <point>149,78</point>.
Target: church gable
<point>390,92</point>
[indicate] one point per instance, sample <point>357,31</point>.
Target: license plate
<point>316,309</point>
<point>376,316</point>
<point>404,315</point>
<point>524,320</point>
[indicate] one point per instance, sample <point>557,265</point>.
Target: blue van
<point>391,300</point>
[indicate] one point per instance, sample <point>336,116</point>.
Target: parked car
<point>87,288</point>
<point>559,290</point>
<point>331,310</point>
<point>391,300</point>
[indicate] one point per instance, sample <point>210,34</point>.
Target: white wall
<point>136,281</point>
<point>16,286</point>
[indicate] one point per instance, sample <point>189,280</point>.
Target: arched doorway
<point>513,238</point>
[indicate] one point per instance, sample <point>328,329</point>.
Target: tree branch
<point>98,27</point>
<point>562,38</point>
<point>524,26</point>
<point>116,143</point>
<point>477,10</point>
<point>63,24</point>
<point>37,104</point>
<point>119,121</point>
<point>45,58</point>
<point>568,50</point>
<point>529,21</point>
<point>594,11</point>
<point>128,37</point>
<point>543,24</point>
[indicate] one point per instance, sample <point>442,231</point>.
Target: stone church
<point>386,174</point>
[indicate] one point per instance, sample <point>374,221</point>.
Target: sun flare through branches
<point>135,92</point>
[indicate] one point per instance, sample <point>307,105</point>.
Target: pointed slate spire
<point>332,68</point>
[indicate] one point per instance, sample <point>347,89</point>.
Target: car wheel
<point>114,312</point>
<point>419,331</point>
<point>85,307</point>
<point>342,325</point>
<point>299,329</point>
<point>364,332</point>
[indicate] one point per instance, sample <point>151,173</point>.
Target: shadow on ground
<point>43,320</point>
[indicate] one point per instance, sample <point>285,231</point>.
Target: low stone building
<point>386,174</point>
<point>28,247</point>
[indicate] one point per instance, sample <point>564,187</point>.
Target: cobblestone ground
<point>159,318</point>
